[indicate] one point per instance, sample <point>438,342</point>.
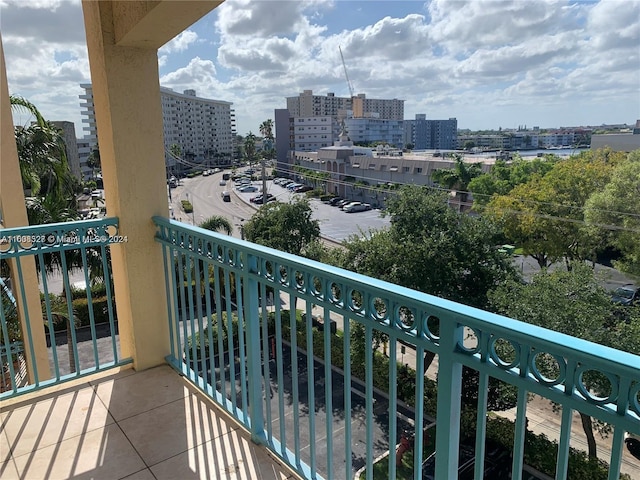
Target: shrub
<point>186,206</point>
<point>201,338</point>
<point>100,310</point>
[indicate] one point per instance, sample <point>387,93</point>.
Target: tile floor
<point>134,425</point>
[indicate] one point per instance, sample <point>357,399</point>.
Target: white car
<point>357,207</point>
<point>222,183</point>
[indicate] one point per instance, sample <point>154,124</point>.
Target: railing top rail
<point>465,315</point>
<point>33,239</point>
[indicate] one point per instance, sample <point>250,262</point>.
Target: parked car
<point>302,189</point>
<point>291,186</point>
<point>258,199</point>
<point>247,188</point>
<point>357,207</point>
<point>626,295</point>
<point>334,201</point>
<point>342,203</point>
<point>633,444</point>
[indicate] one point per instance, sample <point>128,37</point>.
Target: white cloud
<point>180,43</point>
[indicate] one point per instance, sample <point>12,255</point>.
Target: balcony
<point>252,393</point>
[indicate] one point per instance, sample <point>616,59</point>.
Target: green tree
<point>504,176</point>
<point>469,144</point>
<point>94,158</point>
<point>42,154</point>
<point>545,216</point>
<point>570,302</point>
<point>266,130</point>
<point>284,226</point>
<point>250,148</point>
<point>217,223</point>
<point>432,248</point>
<point>614,213</point>
<point>458,177</point>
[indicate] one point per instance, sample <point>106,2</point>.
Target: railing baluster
<point>294,369</point>
<point>311,391</point>
<point>328,387</point>
<point>393,405</point>
<point>252,312</point>
<point>347,393</point>
<point>247,268</point>
<point>279,366</point>
<point>59,247</point>
<point>265,359</point>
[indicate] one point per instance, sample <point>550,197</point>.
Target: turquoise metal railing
<point>323,421</point>
<point>64,254</point>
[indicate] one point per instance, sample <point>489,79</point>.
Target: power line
<point>470,204</point>
<point>476,195</point>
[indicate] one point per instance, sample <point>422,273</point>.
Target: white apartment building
<point>370,130</point>
<point>203,129</point>
<point>312,133</point>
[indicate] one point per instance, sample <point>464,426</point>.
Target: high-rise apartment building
<point>203,129</point>
<point>71,146</point>
<point>306,104</point>
<point>431,134</point>
<point>313,121</point>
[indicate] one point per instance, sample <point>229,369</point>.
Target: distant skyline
<point>489,63</point>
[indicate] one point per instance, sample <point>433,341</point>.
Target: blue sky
<point>489,63</point>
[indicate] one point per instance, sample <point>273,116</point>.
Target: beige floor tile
<point>134,394</point>
<point>171,429</point>
<point>53,419</point>
<point>100,454</point>
<point>230,457</point>
<point>8,471</point>
<point>5,448</point>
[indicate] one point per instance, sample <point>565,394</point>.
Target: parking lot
<point>335,224</point>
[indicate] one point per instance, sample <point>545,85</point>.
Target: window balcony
<point>264,377</point>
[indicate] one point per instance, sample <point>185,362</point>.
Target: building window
<point>417,170</point>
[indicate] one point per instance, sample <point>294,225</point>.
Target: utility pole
<point>264,181</point>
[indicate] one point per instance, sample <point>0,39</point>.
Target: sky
<point>488,63</point>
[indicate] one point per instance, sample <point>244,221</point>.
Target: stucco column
<point>14,214</point>
<point>126,95</point>
<point>122,42</point>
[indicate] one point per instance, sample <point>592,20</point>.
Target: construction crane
<point>345,73</point>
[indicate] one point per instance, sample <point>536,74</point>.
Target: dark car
<point>627,295</point>
<point>497,462</point>
<point>302,189</point>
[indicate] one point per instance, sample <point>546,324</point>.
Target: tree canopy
<point>284,226</point>
<point>431,248</point>
<point>614,213</point>
<point>545,215</point>
<point>574,303</point>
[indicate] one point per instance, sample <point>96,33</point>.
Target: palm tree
<point>458,177</point>
<point>42,153</point>
<point>43,160</point>
<point>250,147</point>
<point>217,223</point>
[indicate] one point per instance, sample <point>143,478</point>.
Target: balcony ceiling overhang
<point>151,24</point>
